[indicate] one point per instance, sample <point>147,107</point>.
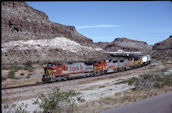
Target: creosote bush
<point>28,66</point>
<point>58,101</point>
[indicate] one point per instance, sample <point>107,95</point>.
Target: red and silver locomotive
<point>56,71</point>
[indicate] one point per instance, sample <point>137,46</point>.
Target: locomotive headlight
<point>54,70</point>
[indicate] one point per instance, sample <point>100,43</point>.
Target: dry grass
<point>119,99</point>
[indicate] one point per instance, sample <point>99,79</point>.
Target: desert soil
<point>92,88</point>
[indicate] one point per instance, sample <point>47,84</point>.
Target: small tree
<point>57,102</point>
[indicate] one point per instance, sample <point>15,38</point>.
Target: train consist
<point>58,71</point>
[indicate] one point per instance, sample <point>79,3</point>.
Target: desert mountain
<point>22,22</point>
<point>166,44</point>
<point>163,48</point>
<point>125,44</point>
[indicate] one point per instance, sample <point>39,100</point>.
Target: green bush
<point>28,64</point>
<point>11,74</point>
<point>57,101</point>
<point>158,85</point>
<point>3,78</point>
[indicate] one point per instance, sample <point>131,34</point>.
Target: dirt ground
<point>93,89</point>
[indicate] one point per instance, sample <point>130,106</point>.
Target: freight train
<point>57,71</point>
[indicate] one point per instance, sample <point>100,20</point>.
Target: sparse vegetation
<point>101,86</point>
<point>58,101</point>
<point>11,74</point>
<point>22,74</point>
<point>28,66</point>
<point>13,108</point>
<point>28,76</point>
<point>3,78</point>
<point>12,69</point>
<point>151,81</point>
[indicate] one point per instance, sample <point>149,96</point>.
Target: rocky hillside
<point>163,49</point>
<point>125,44</point>
<point>28,35</point>
<point>44,50</point>
<point>166,44</point>
<point>21,22</point>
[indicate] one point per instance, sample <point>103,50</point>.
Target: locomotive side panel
<point>110,66</point>
<point>75,67</point>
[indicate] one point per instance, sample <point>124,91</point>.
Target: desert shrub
<point>151,81</point>
<point>11,74</point>
<point>157,85</point>
<point>132,81</point>
<point>3,78</point>
<point>22,74</point>
<point>147,76</point>
<point>29,69</point>
<point>16,68</point>
<point>13,67</point>
<point>57,101</point>
<point>28,76</point>
<point>21,108</point>
<point>5,67</point>
<point>13,108</point>
<point>28,66</point>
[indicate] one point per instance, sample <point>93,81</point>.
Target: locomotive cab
<point>52,70</point>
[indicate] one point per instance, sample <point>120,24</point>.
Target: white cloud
<point>97,26</point>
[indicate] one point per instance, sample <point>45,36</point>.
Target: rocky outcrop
<point>164,45</point>
<point>21,22</point>
<point>101,44</point>
<point>163,49</point>
<point>126,45</point>
<point>44,50</point>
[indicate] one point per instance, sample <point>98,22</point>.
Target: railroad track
<point>27,85</point>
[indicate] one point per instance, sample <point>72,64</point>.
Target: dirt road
<point>157,104</point>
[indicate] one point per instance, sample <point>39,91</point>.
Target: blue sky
<point>149,21</point>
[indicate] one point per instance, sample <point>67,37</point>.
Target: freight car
<point>57,71</point>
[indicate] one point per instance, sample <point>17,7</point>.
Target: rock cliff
<point>21,22</point>
<point>163,48</point>
<point>125,44</point>
<point>163,45</point>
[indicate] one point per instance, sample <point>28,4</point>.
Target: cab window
<point>59,65</point>
<point>51,64</point>
<point>98,62</point>
<point>115,61</point>
<point>121,60</point>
